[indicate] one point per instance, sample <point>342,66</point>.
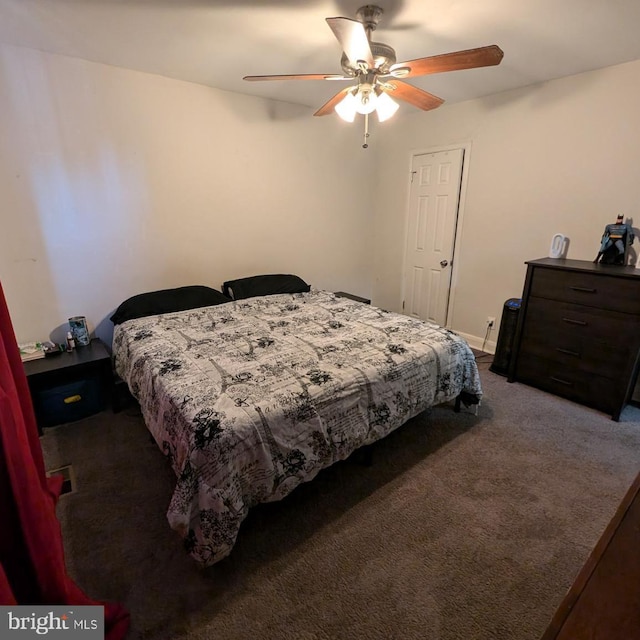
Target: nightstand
<point>343,294</point>
<point>70,386</point>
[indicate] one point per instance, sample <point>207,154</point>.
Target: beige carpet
<point>466,527</point>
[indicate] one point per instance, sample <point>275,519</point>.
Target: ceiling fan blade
<point>327,107</point>
<point>455,61</point>
<point>417,97</point>
<point>304,76</point>
<point>353,39</point>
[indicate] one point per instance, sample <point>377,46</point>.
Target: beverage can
<point>79,330</point>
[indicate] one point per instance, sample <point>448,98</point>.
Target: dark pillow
<point>167,301</point>
<point>264,286</point>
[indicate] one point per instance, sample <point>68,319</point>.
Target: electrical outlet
<point>491,321</point>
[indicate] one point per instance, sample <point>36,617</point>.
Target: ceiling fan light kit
<point>385,106</point>
<point>346,108</point>
<point>374,66</point>
<point>365,100</point>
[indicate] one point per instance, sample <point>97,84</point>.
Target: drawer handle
<point>72,399</point>
<point>583,289</point>
<point>561,381</point>
<point>568,352</point>
<point>582,323</point>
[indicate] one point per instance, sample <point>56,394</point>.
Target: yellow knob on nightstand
<point>72,399</point>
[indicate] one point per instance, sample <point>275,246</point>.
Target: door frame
<point>466,146</point>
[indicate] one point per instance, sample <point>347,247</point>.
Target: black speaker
<point>504,347</point>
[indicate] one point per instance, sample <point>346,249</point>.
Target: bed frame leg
<point>456,406</point>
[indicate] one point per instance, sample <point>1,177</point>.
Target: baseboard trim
<point>476,343</point>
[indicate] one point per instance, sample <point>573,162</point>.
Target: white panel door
<point>433,214</point>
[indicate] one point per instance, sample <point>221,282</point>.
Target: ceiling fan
<point>379,77</point>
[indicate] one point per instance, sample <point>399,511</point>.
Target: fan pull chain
<point>366,131</point>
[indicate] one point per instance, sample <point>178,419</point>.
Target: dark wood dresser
<point>578,333</point>
<point>604,601</point>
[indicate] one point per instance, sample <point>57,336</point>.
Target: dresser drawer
<point>544,316</point>
<point>589,358</point>
<point>571,383</point>
<point>596,341</point>
<point>594,290</point>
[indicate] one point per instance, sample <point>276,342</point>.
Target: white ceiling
<point>217,42</point>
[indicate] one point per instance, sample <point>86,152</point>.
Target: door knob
<point>444,263</point>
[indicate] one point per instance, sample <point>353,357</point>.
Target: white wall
<point>115,182</point>
<point>562,156</point>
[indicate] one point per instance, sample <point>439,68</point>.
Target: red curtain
<point>32,568</point>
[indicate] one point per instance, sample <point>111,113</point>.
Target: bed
<point>250,397</point>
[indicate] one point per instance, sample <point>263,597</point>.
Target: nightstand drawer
<point>68,402</point>
<point>602,291</point>
<point>569,382</point>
